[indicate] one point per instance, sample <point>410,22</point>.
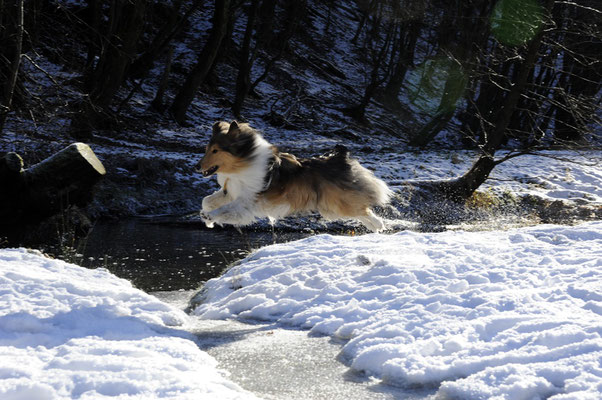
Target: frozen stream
<point>278,363</point>
<point>275,363</point>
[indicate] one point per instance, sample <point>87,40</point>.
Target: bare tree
<point>246,60</point>
<point>125,27</point>
<point>11,24</point>
<point>379,52</point>
<point>463,27</point>
<point>466,184</point>
<point>199,72</point>
<point>404,49</point>
<point>262,24</point>
<point>175,24</point>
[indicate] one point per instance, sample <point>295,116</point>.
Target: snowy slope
<point>505,315</point>
<point>69,332</point>
<point>150,159</point>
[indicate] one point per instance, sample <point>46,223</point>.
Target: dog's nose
<point>198,168</point>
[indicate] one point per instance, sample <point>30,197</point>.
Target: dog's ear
<point>217,128</point>
<point>234,128</point>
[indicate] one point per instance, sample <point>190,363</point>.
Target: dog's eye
<point>214,151</point>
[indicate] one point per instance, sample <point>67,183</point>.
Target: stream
<point>172,261</point>
<point>169,257</point>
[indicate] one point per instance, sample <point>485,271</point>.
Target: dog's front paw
<point>209,223</point>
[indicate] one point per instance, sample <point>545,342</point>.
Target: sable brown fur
<point>324,184</point>
<point>258,180</point>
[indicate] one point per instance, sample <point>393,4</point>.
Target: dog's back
<point>334,185</point>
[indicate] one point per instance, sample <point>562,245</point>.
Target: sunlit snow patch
<point>69,332</point>
<point>506,315</point>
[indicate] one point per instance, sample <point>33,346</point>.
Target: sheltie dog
<point>259,181</point>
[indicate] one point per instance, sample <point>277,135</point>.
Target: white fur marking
<point>243,188</point>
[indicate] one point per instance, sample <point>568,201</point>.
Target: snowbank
<point>505,315</point>
<point>549,175</point>
<point>70,332</point>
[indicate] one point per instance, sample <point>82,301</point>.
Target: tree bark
<point>197,76</point>
<point>452,92</point>
<point>92,17</point>
<point>157,102</point>
<point>13,70</point>
<point>143,64</point>
<point>358,111</point>
<point>127,21</point>
<point>406,47</point>
<point>243,79</point>
<point>294,10</point>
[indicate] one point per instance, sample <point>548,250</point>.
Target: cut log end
<point>12,163</point>
<point>75,163</point>
<point>87,153</point>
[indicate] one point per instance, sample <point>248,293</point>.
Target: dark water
<point>160,257</point>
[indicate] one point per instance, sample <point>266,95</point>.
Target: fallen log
<point>47,188</point>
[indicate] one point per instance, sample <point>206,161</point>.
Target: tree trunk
<point>128,22</point>
<point>157,102</point>
<point>364,18</point>
<point>92,18</point>
<point>358,111</point>
<point>243,79</point>
<point>48,187</point>
<point>12,72</point>
<point>205,60</point>
<point>295,9</point>
<point>452,92</point>
<point>406,46</point>
<point>573,119</point>
<point>265,25</point>
<point>143,64</point>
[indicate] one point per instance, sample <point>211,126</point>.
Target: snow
<point>480,315</point>
<point>511,314</point>
<point>70,332</point>
<point>552,175</point>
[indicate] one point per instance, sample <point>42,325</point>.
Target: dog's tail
<point>347,172</point>
<point>377,190</point>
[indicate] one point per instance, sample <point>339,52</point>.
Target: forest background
<point>143,81</point>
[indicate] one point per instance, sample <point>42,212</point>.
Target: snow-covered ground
<point>480,315</point>
<point>552,175</point>
<point>70,332</point>
<point>511,314</point>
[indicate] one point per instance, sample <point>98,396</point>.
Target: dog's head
<point>230,149</point>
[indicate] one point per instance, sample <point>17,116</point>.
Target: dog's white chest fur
<point>247,183</point>
<point>236,202</point>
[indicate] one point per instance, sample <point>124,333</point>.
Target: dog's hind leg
<point>371,221</point>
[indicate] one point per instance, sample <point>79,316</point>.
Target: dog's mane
<point>245,143</point>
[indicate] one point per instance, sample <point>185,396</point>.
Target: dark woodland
<point>520,75</point>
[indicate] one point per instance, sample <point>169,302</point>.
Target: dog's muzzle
<point>209,171</point>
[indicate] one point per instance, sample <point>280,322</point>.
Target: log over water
<point>47,188</point>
